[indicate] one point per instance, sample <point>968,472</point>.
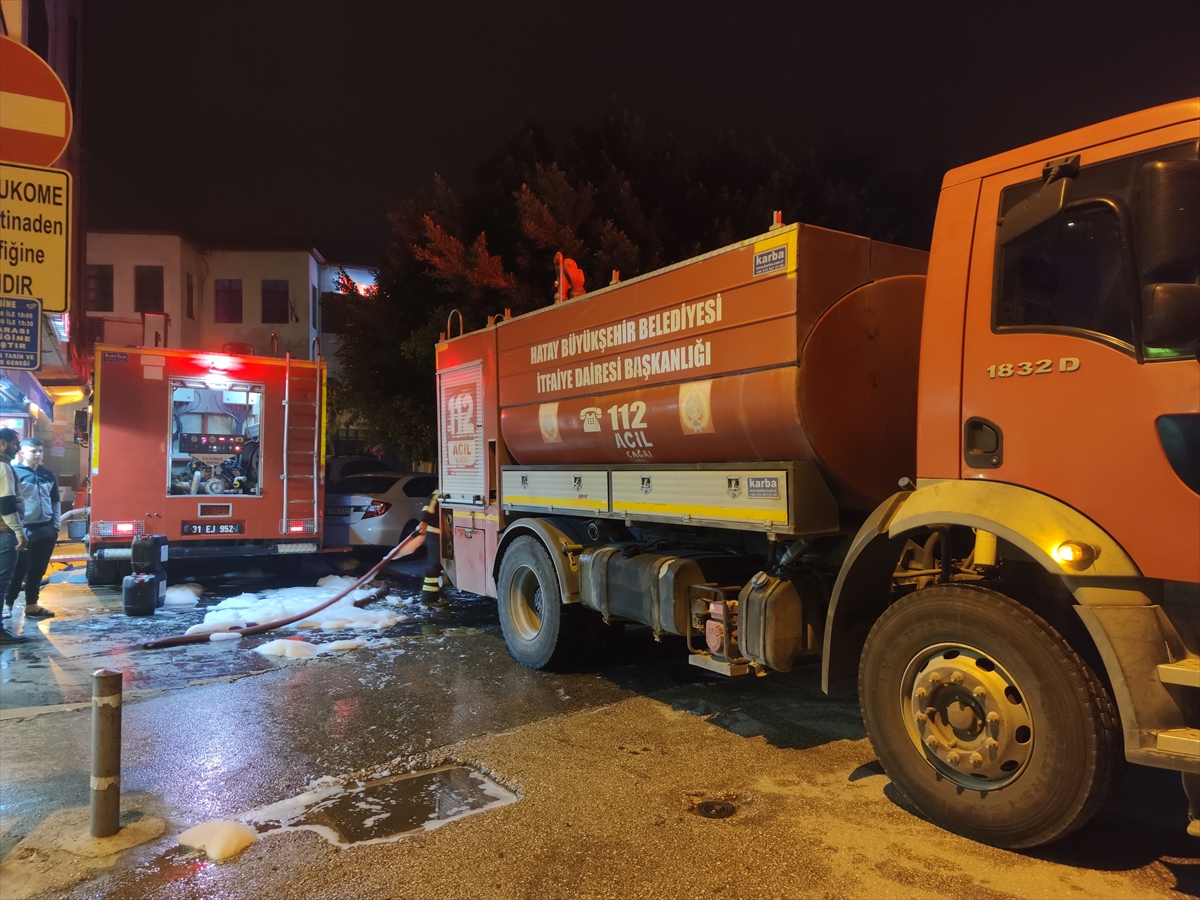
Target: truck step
<point>723,667</point>
<point>1180,740</point>
<point>1186,672</point>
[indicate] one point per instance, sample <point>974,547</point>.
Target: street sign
<point>35,234</point>
<point>20,333</point>
<point>35,111</point>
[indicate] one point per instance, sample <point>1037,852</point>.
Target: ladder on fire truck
<point>301,448</point>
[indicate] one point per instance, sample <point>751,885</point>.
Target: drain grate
<point>715,809</point>
<point>391,807</point>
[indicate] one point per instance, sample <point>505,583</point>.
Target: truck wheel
<point>986,718</point>
<point>104,572</point>
<point>539,629</point>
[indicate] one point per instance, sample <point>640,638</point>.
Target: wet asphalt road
<point>609,762</point>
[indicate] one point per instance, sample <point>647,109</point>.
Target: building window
<point>228,307</point>
<point>333,312</point>
<point>148,289</point>
<point>275,303</point>
<point>73,60</point>
<point>39,28</point>
<point>191,298</point>
<point>93,332</point>
<point>98,290</point>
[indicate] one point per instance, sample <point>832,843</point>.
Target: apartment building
<point>166,289</point>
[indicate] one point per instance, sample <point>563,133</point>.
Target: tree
<point>612,198</point>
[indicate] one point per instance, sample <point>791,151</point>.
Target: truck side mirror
<point>1036,210</point>
<point>81,426</point>
<point>1168,216</point>
<point>1170,315</point>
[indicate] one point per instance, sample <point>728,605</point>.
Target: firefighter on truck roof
<point>431,591</point>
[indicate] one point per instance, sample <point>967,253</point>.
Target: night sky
<point>296,122</point>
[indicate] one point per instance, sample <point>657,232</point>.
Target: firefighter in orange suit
<point>431,590</point>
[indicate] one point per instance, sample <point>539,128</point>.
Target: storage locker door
<point>460,437</point>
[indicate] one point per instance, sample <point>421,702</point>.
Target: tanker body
<point>810,446</point>
<point>801,345</point>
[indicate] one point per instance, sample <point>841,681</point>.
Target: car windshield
<point>363,484</point>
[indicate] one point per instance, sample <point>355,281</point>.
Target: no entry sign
<point>35,112</point>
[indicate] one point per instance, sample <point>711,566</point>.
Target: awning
<point>22,388</point>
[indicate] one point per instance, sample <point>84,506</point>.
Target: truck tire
<point>104,572</point>
<point>540,631</point>
<point>985,718</point>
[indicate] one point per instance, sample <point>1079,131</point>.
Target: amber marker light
<point>1075,554</point>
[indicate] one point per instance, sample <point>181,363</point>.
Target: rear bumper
<point>216,549</point>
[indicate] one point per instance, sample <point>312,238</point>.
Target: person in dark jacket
<point>41,514</point>
<point>12,534</point>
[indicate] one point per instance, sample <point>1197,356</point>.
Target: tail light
<point>299,526</point>
<point>378,508</point>
<point>116,529</point>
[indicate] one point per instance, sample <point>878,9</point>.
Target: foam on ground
<point>294,648</point>
<point>183,594</point>
<point>219,838</point>
<point>280,603</point>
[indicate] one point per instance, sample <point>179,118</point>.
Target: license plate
<point>217,528</point>
<point>338,510</point>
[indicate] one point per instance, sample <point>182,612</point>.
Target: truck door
<point>461,464</point>
<point>1080,377</point>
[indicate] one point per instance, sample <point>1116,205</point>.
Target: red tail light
<point>378,508</point>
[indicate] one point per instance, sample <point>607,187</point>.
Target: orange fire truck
<point>221,453</point>
<point>967,478</point>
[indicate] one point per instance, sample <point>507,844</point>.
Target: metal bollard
<point>106,753</point>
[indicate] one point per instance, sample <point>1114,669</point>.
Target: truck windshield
<point>214,439</point>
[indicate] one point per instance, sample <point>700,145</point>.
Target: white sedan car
<point>375,509</point>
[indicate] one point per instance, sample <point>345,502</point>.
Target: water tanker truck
<point>967,478</point>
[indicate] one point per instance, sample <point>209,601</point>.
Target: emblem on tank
<point>733,486</point>
<point>548,423</point>
<point>645,484</point>
<point>695,410</point>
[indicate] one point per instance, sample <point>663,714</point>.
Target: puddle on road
<point>384,809</point>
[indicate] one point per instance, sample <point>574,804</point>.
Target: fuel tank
<point>802,344</point>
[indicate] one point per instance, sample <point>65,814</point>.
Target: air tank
<point>801,344</point>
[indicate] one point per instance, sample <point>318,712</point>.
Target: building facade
<point>168,290</point>
<point>41,403</point>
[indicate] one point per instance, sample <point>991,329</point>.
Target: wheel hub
<point>967,716</point>
<point>525,602</point>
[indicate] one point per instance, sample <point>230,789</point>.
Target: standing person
<point>12,532</point>
<point>431,590</point>
<point>41,513</point>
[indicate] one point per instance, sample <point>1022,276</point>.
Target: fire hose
<point>180,639</point>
